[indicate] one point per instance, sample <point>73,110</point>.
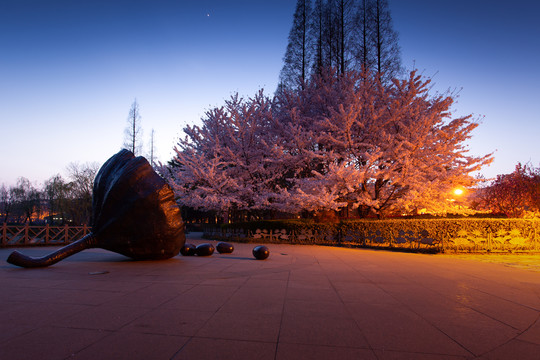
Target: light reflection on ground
<point>523,261</point>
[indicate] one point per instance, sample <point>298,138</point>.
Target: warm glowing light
<point>458,192</point>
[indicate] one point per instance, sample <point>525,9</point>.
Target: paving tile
<point>129,346</point>
<point>237,326</point>
<point>515,349</point>
<point>256,300</point>
<point>167,321</point>
<point>509,285</point>
<point>303,302</point>
<point>403,355</point>
<point>475,332</point>
<point>366,293</point>
<point>18,295</point>
<point>225,280</point>
<point>151,296</point>
<point>532,334</point>
<point>314,352</point>
<point>15,282</point>
<point>507,312</point>
<point>202,298</point>
<point>302,293</point>
<point>399,329</point>
<point>76,296</point>
<point>278,274</point>
<point>37,314</point>
<point>11,330</point>
<point>315,307</point>
<point>311,283</point>
<point>91,282</point>
<point>260,282</point>
<point>102,317</point>
<point>220,349</point>
<point>49,343</point>
<point>321,330</point>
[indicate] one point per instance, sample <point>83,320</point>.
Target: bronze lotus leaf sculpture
<point>134,214</point>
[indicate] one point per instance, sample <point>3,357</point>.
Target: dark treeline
<point>58,201</point>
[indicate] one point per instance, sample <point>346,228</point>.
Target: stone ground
<point>523,261</point>
<point>303,302</point>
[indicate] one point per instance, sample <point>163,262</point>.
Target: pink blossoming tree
<point>344,141</point>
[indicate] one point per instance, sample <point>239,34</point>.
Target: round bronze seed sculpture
<point>134,214</point>
<point>261,252</point>
<point>224,248</point>
<point>205,249</point>
<point>188,250</point>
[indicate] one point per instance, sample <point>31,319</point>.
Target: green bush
<point>466,234</point>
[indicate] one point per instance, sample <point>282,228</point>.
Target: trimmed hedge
<point>466,234</point>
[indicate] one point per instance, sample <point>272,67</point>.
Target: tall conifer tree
<point>387,51</point>
<point>317,30</point>
<point>344,35</point>
<point>297,60</point>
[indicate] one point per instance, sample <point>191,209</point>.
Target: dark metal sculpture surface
<point>205,249</point>
<point>134,213</point>
<point>188,249</point>
<point>261,252</point>
<point>224,248</point>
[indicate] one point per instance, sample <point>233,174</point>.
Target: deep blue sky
<point>70,69</point>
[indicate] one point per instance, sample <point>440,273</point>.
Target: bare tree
<point>5,202</point>
<point>297,60</point>
<point>26,200</point>
<point>133,131</point>
<point>58,193</point>
<point>151,154</point>
<point>82,183</point>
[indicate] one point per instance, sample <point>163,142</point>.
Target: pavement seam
<point>470,307</point>
<point>409,308</point>
<point>511,301</point>
<point>282,314</point>
<point>347,308</point>
<point>202,326</point>
<point>515,338</point>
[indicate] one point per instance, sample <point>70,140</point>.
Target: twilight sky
<point>70,69</point>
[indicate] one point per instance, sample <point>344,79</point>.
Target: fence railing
<point>29,235</point>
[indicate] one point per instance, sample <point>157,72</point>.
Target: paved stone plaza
<point>303,302</point>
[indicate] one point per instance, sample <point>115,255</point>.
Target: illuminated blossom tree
<point>378,148</point>
<point>232,161</point>
<point>344,141</point>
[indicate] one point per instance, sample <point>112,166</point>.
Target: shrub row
<point>467,234</point>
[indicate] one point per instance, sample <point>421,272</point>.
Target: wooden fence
<point>27,235</point>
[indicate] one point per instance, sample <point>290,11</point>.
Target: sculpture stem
<point>16,258</point>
